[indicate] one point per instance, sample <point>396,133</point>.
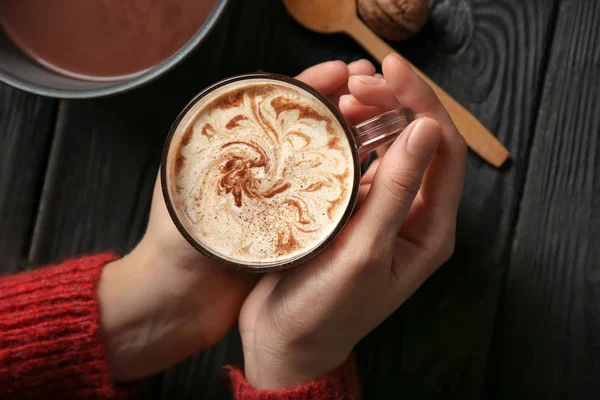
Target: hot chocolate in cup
<point>261,172</point>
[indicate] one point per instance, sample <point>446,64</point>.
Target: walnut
<point>394,19</point>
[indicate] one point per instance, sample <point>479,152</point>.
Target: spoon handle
<point>478,138</point>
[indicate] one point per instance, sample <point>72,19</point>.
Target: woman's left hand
<point>165,301</point>
<point>297,325</point>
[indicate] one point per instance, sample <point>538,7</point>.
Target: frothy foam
<point>262,172</point>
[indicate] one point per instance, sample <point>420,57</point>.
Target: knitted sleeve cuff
<point>342,383</point>
<point>50,345</point>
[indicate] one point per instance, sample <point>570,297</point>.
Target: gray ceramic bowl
<point>18,70</point>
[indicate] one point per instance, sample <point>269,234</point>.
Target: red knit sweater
<point>50,346</point>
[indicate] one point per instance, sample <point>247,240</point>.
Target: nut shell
<point>394,19</point>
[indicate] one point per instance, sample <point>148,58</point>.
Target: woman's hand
<point>165,301</point>
<point>299,324</point>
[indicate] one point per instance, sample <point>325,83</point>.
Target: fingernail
<point>424,139</point>
<point>366,79</point>
<point>399,57</point>
<point>378,75</point>
<point>350,98</point>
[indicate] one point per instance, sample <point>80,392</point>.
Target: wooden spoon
<point>329,16</point>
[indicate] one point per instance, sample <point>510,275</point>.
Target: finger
<point>360,67</point>
<point>363,191</point>
<point>326,77</point>
<point>365,183</point>
<point>410,89</point>
<point>373,92</point>
<point>381,150</point>
<point>356,112</point>
<point>398,179</point>
<point>367,178</point>
<point>443,182</point>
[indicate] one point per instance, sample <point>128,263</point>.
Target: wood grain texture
<point>549,329</point>
<point>489,55</point>
<point>26,127</point>
<point>486,53</point>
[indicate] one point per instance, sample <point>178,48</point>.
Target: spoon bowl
<point>333,16</point>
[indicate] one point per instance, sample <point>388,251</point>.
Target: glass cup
<point>363,138</point>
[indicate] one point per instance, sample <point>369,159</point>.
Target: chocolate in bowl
<point>21,71</point>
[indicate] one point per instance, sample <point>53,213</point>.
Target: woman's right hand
<point>299,324</point>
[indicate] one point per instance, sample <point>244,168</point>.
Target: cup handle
<point>381,129</point>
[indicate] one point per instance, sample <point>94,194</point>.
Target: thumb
<point>398,179</point>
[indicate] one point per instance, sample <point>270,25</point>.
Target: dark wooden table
<point>515,314</point>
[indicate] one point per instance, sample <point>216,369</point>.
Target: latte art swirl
<point>262,173</point>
